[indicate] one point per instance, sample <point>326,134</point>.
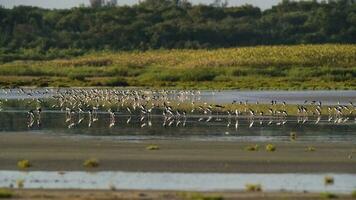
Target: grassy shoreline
<point>296,67</point>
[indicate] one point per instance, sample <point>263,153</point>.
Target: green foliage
<point>264,67</point>
<point>31,33</point>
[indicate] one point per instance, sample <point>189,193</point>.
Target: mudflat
<point>67,153</point>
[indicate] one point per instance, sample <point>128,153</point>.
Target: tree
<point>111,3</point>
<point>96,3</point>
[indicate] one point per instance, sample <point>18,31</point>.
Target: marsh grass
<point>264,67</point>
<point>24,164</point>
<point>270,148</point>
<point>6,194</point>
<point>91,163</point>
<point>253,187</point>
<point>152,147</point>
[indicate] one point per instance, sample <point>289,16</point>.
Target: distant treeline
<point>154,24</point>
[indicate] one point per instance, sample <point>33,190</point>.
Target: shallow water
<point>218,128</point>
<point>343,183</point>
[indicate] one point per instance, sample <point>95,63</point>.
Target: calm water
<point>343,183</point>
<point>218,128</point>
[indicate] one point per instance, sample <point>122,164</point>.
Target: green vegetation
<point>253,187</point>
<point>328,195</point>
<point>5,194</point>
<point>152,147</point>
<point>270,147</point>
<point>91,163</point>
<point>30,33</point>
<point>263,67</point>
<point>24,164</point>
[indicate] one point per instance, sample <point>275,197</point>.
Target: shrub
<point>152,147</point>
<point>23,164</point>
<point>270,147</point>
<point>91,163</point>
<point>328,180</point>
<point>253,187</point>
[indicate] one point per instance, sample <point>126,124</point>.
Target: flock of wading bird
<point>172,106</point>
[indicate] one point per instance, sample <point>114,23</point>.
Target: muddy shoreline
<point>53,153</point>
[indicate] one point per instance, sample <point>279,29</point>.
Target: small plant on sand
<point>20,183</point>
<point>91,163</point>
<point>5,194</point>
<point>152,147</point>
<point>310,149</point>
<point>252,148</point>
<point>328,195</point>
<point>328,180</point>
<point>270,148</point>
<point>23,164</point>
<point>253,187</point>
<point>293,136</point>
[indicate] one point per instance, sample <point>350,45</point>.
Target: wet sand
<point>57,153</point>
<point>172,195</point>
